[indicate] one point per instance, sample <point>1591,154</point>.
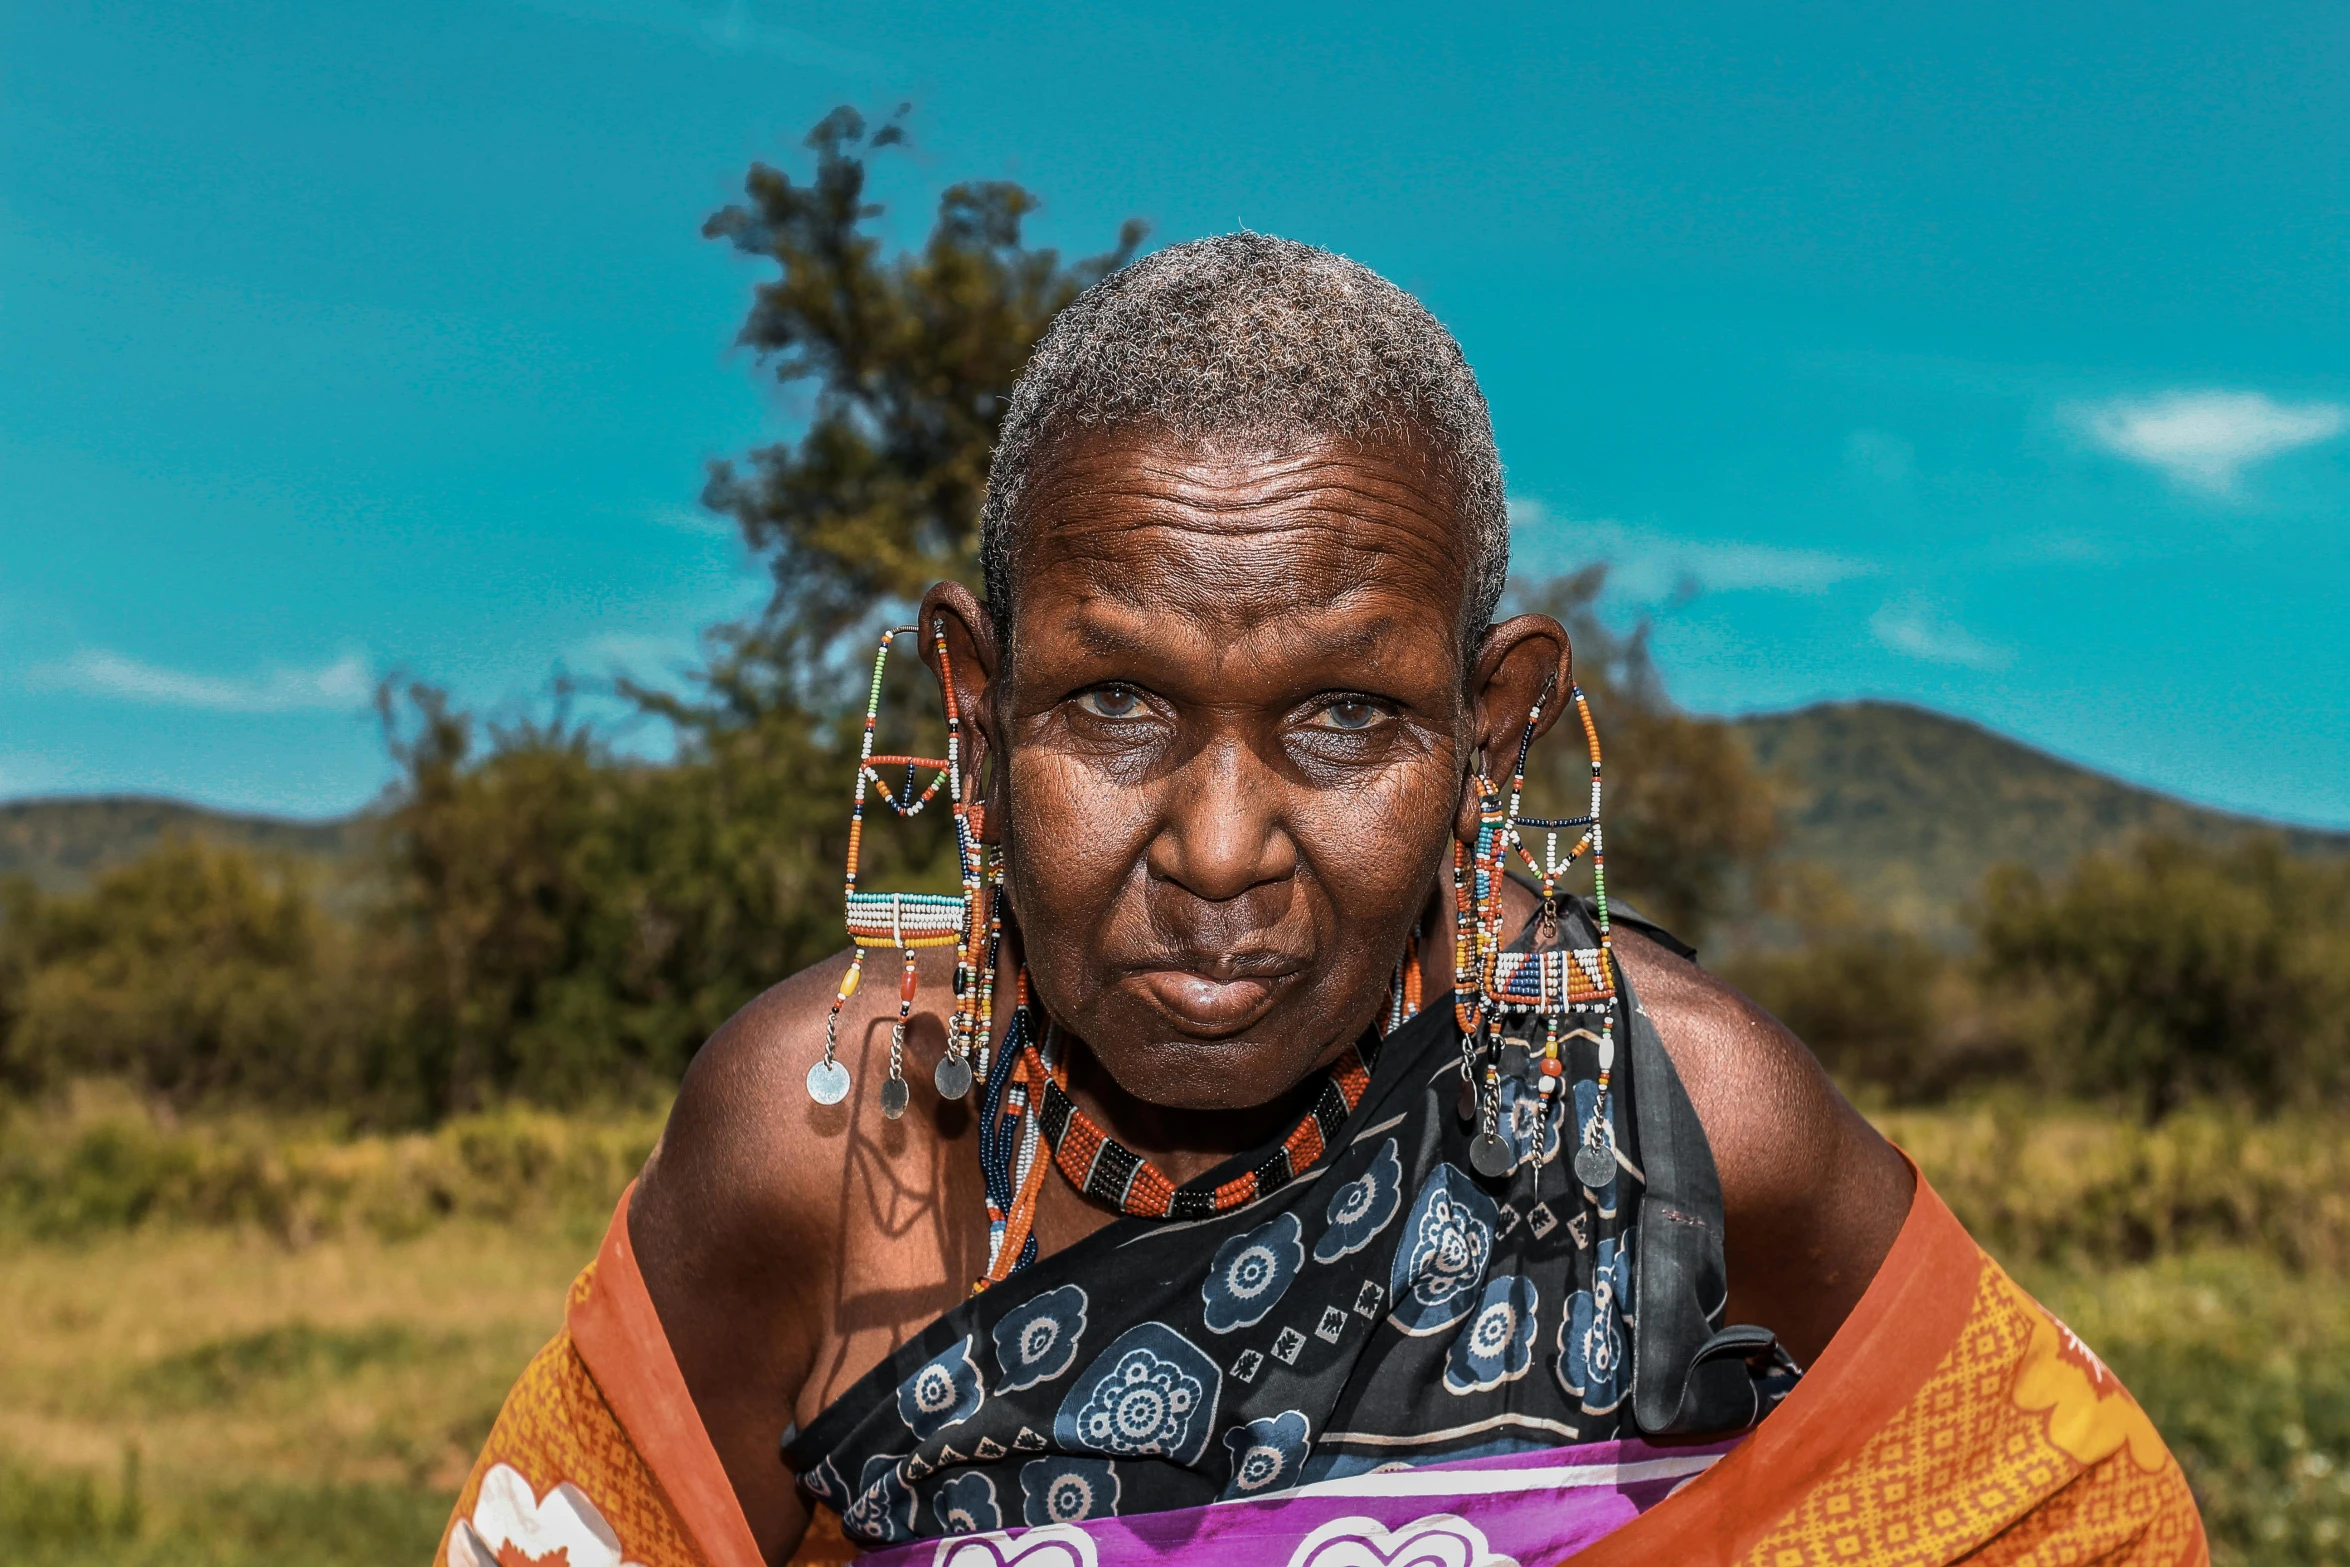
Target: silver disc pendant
<point>953,1077</point>
<point>1595,1165</point>
<point>1490,1157</point>
<point>1468,1102</point>
<point>828,1082</point>
<point>894,1097</point>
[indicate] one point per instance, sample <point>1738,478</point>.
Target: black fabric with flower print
<point>1387,1306</point>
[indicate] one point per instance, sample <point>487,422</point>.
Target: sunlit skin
<point>1231,741</point>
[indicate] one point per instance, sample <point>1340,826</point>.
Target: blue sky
<point>1988,357</point>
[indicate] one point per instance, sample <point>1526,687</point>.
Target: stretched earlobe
<point>971,651</point>
<point>979,789</point>
<point>1465,815</point>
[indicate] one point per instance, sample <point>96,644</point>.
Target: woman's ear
<point>1523,660</point>
<point>971,666</point>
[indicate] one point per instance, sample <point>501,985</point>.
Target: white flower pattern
<point>510,1519</point>
<point>1441,1259</point>
<point>1362,1207</point>
<point>1251,1272</point>
<point>1152,1393</point>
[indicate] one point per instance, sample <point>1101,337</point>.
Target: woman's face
<point>1232,731</point>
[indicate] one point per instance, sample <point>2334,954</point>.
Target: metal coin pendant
<point>1490,1157</point>
<point>1467,1107</point>
<point>1594,1165</point>
<point>953,1077</point>
<point>828,1082</point>
<point>893,1097</point>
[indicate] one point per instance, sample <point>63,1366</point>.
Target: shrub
<point>2175,971</point>
<point>197,971</point>
<point>1887,1013</point>
<point>98,1159</point>
<point>2071,1184</point>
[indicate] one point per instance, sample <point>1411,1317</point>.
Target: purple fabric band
<point>1512,1511</point>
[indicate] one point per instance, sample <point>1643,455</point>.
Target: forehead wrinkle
<point>1332,506</point>
<point>1145,567</point>
<point>1232,605</point>
<point>1232,533</point>
<point>1355,644</point>
<point>1223,589</point>
<point>1331,486</point>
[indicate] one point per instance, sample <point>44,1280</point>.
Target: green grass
<point>318,1404</point>
<point>242,1342</point>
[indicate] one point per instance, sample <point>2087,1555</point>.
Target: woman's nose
<point>1223,831</point>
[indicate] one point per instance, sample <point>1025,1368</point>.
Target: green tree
<point>1887,1012</point>
<point>197,971</point>
<point>574,922</point>
<point>2177,970</point>
<point>912,357</point>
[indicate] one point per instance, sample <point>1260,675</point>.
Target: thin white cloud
<point>1649,566</point>
<point>2205,439</point>
<point>341,686</point>
<point>734,27</point>
<point>1914,627</point>
<point>638,653</point>
<point>695,519</point>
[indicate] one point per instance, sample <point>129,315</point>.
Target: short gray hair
<point>1250,337</point>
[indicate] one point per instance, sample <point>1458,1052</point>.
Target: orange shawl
<point>1951,1420</point>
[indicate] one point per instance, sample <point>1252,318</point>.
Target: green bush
<point>1890,1015</point>
<point>2065,1183</point>
<point>2177,971</point>
<point>197,971</point>
<point>2244,1366</point>
<point>101,1160</point>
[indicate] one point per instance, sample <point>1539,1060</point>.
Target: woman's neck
<point>1183,1144</point>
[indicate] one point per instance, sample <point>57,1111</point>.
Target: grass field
<point>249,1341</point>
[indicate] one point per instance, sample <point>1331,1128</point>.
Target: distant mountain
<point>62,843</point>
<point>1909,807</point>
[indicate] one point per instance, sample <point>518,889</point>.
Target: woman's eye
<point>1350,716</point>
<point>1111,702</point>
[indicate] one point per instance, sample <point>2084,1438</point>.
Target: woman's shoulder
<point>787,1245</point>
<point>1812,1195</point>
<point>756,1196</point>
<point>738,1182</point>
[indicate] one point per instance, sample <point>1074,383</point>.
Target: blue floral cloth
<point>1387,1306</point>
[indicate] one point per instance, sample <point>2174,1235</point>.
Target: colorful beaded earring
<point>972,1022</point>
<point>1548,986</point>
<point>907,921</point>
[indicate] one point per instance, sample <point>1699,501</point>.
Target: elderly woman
<point>1273,1262</point>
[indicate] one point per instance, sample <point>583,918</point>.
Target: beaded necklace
<point>1025,1109</point>
<point>1103,1168</point>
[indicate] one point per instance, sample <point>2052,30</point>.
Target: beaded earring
<point>972,1023</point>
<point>1550,985</point>
<point>909,921</point>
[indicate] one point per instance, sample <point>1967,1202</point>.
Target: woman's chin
<point>1240,1073</point>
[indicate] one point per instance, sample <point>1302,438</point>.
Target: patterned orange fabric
<point>597,1458</point>
<point>1953,1420</point>
<point>555,1427</point>
<point>2020,1447</point>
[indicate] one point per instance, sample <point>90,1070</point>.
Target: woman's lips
<point>1202,1004</point>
